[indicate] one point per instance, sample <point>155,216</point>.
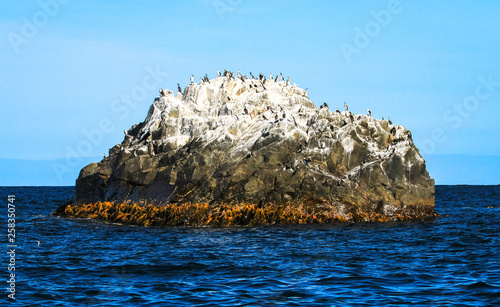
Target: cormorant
<point>305,93</point>
<point>282,79</point>
<point>239,74</point>
<point>325,105</point>
<point>369,112</point>
<point>389,120</point>
<point>276,117</point>
<point>201,80</point>
<point>225,73</point>
<point>276,79</point>
<point>245,110</point>
<point>252,75</point>
<point>218,73</point>
<point>345,106</point>
<point>179,88</point>
<point>192,79</point>
<point>261,76</point>
<point>270,76</point>
<point>337,110</point>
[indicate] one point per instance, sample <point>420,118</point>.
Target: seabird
<point>104,155</point>
<point>218,73</point>
<point>239,74</point>
<point>261,76</point>
<point>201,80</point>
<point>369,112</point>
<point>382,118</point>
<point>179,88</point>
<point>245,110</point>
<point>192,79</point>
<point>389,120</point>
<point>270,76</point>
<point>288,81</point>
<point>282,79</point>
<point>337,110</point>
<point>276,117</point>
<point>345,106</point>
<point>305,93</point>
<point>265,118</point>
<point>125,131</point>
<point>276,79</point>
<point>325,105</point>
<point>252,75</point>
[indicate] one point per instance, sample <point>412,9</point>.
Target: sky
<point>75,74</point>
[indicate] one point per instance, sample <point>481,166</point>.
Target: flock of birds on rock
<point>262,79</point>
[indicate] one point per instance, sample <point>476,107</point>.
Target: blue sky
<point>75,74</point>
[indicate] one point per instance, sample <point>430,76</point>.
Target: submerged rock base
<point>227,215</point>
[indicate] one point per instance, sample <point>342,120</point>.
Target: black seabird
<point>325,105</point>
<point>369,112</point>
<point>179,88</point>
<point>245,110</point>
<point>389,120</point>
<point>252,75</point>
<point>337,110</point>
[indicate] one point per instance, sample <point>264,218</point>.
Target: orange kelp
<point>212,215</point>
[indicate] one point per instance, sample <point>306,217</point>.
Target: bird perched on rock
<point>218,73</point>
<point>325,105</point>
<point>192,79</point>
<point>369,112</point>
<point>389,120</point>
<point>305,93</point>
<point>345,106</point>
<point>337,110</point>
<point>179,88</point>
<point>252,75</point>
<point>270,76</point>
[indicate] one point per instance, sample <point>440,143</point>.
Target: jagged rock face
<point>230,141</point>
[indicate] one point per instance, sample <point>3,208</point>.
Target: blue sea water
<point>451,260</point>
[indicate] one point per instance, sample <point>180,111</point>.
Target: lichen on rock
<point>236,141</point>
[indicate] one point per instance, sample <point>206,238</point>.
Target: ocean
<point>453,259</point>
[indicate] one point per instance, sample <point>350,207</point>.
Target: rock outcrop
<point>244,141</point>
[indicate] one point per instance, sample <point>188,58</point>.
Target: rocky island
<point>239,150</point>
